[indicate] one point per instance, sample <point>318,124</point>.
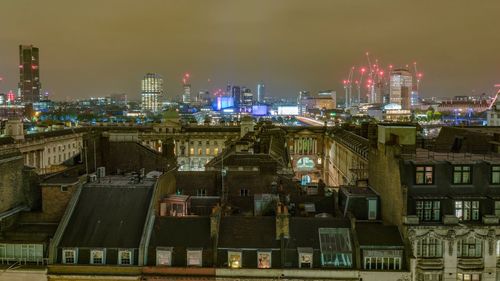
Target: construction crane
<point>348,88</point>
<point>496,96</point>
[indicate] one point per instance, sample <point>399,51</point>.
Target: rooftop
<point>108,217</point>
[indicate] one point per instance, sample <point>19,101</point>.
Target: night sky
<point>98,47</point>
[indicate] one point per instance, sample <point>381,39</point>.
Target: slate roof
<point>181,232</point>
<point>108,217</point>
<point>248,232</point>
<point>377,234</point>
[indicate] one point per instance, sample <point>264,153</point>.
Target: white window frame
<point>384,258</point>
<point>305,252</point>
<point>131,260</point>
<point>234,253</point>
<point>265,252</point>
<point>429,247</point>
<point>67,251</point>
<point>103,259</point>
<point>166,251</point>
<point>194,252</point>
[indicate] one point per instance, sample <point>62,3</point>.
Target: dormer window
<point>125,257</point>
<point>305,257</point>
<point>163,256</point>
<point>234,259</point>
<point>462,174</point>
<point>424,175</point>
<point>69,256</point>
<point>495,174</point>
<point>194,257</point>
<point>97,256</point>
<point>264,259</point>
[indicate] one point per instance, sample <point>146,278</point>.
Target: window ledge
<point>426,185</point>
<point>459,185</point>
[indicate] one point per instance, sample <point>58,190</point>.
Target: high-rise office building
<point>247,99</point>
<point>186,94</point>
<point>236,94</point>
<point>151,93</point>
<point>400,88</point>
<point>261,92</point>
<point>29,74</point>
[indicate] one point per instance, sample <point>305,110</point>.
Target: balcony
<point>470,263</point>
<point>430,263</point>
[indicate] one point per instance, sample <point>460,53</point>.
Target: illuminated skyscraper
<point>261,92</point>
<point>400,88</point>
<point>29,74</point>
<point>151,93</point>
<point>186,94</point>
<point>247,99</point>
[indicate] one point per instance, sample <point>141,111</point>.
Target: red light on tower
<point>363,70</point>
<point>20,66</point>
<point>345,82</point>
<point>419,75</point>
<point>381,73</point>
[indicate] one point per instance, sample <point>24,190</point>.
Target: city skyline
<point>288,44</point>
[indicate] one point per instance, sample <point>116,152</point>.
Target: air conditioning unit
<point>92,177</point>
<point>101,172</point>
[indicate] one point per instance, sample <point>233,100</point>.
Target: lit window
<point>125,257</point>
<point>430,248</point>
<point>199,151</point>
<point>424,175</point>
<point>194,258</point>
<point>462,174</point>
<point>382,259</point>
<point>216,151</point>
<point>497,208</point>
<point>495,174</point>
<point>428,210</point>
<point>264,259</point>
<point>234,259</point>
<point>468,277</point>
<point>467,210</point>
<point>191,151</point>
<point>97,257</point>
<point>207,151</point>
<point>305,257</point>
<point>69,256</point>
<point>426,276</point>
<point>164,256</point>
<point>470,248</point>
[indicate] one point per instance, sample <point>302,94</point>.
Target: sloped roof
<point>108,217</point>
<point>181,232</point>
<point>248,232</point>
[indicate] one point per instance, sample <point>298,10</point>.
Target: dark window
<point>495,174</point>
<point>428,210</point>
<point>201,192</point>
<point>244,192</point>
<point>424,175</point>
<point>462,174</point>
